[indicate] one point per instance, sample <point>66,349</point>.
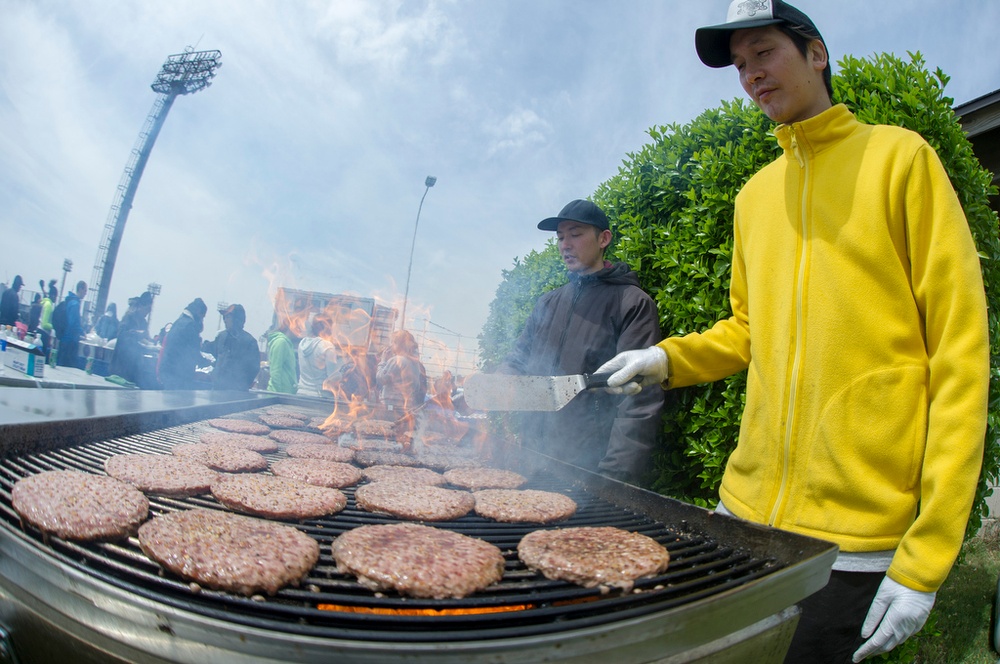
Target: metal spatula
<point>539,393</point>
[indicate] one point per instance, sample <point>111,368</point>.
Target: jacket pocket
<point>858,471</point>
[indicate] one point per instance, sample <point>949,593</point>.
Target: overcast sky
<point>303,164</point>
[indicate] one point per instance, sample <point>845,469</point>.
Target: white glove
<point>649,363</point>
<point>898,612</point>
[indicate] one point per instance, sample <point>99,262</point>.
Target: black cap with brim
<point>582,211</point>
<point>712,42</point>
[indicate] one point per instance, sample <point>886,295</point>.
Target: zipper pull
<point>795,148</point>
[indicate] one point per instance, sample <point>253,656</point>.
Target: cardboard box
<point>24,357</point>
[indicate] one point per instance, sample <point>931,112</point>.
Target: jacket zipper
<point>799,288</point>
<point>562,338</point>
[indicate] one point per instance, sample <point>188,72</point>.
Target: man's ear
<point>604,238</point>
<point>820,58</point>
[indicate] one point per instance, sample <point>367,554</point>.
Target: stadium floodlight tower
<point>182,74</point>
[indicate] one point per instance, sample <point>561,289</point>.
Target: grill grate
<point>332,604</point>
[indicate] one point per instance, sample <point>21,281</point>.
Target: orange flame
<point>381,611</point>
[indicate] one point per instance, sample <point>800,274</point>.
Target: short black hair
<point>802,37</point>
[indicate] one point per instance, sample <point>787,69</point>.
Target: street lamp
<point>428,183</point>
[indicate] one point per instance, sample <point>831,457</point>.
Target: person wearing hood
<point>573,330</point>
<point>321,367</point>
<point>69,340</point>
<point>10,302</point>
<point>106,326</point>
<point>133,333</point>
<point>281,360</point>
<point>182,348</point>
<point>237,356</point>
<point>401,377</point>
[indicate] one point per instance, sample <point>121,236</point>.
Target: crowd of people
<point>179,358</point>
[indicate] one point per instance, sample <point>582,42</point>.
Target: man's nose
<point>753,73</point>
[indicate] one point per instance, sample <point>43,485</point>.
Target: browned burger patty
<point>417,502</point>
<point>239,426</point>
<point>444,461</point>
<point>282,421</point>
<point>289,437</point>
<point>222,456</point>
<point>416,560</point>
<point>227,551</point>
<point>330,426</point>
<point>404,474</point>
<point>244,440</point>
<point>374,428</point>
<point>162,474</point>
<point>277,497</point>
<point>593,556</point>
<point>324,451</point>
<point>524,505</point>
<point>382,458</point>
<point>320,472</point>
<point>79,506</point>
<point>484,478</point>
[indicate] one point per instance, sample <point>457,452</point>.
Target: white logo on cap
<point>749,9</point>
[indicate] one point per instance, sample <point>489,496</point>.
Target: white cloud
<point>516,131</point>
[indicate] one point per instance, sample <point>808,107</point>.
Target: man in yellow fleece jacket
<point>858,308</point>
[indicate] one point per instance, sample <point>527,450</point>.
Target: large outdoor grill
<point>728,595</point>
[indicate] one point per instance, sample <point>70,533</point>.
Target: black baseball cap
<point>712,42</point>
<point>579,210</point>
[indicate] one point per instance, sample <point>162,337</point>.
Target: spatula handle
<point>597,379</point>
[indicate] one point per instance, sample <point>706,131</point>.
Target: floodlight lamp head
<point>187,73</point>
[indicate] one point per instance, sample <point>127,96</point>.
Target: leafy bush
<point>521,286</point>
<point>671,206</point>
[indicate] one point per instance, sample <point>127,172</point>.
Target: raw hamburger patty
<point>239,426</point>
<point>324,451</point>
<point>396,556</point>
<point>377,458</point>
<point>222,456</point>
<point>524,505</point>
<point>79,506</point>
<point>593,556</point>
<point>162,474</point>
<point>276,497</point>
<point>246,441</point>
<point>414,501</point>
<point>320,472</point>
<point>227,551</point>
<point>484,478</point>
<point>287,437</point>
<point>404,474</point>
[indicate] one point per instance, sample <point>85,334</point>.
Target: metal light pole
<point>428,183</point>
<point>221,308</point>
<point>67,268</point>
<point>182,74</point>
<point>154,290</point>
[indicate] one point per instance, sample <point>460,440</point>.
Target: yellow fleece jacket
<point>858,306</point>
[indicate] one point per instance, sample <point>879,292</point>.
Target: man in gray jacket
<point>574,329</point>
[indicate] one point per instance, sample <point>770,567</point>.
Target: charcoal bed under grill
<point>728,582</point>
